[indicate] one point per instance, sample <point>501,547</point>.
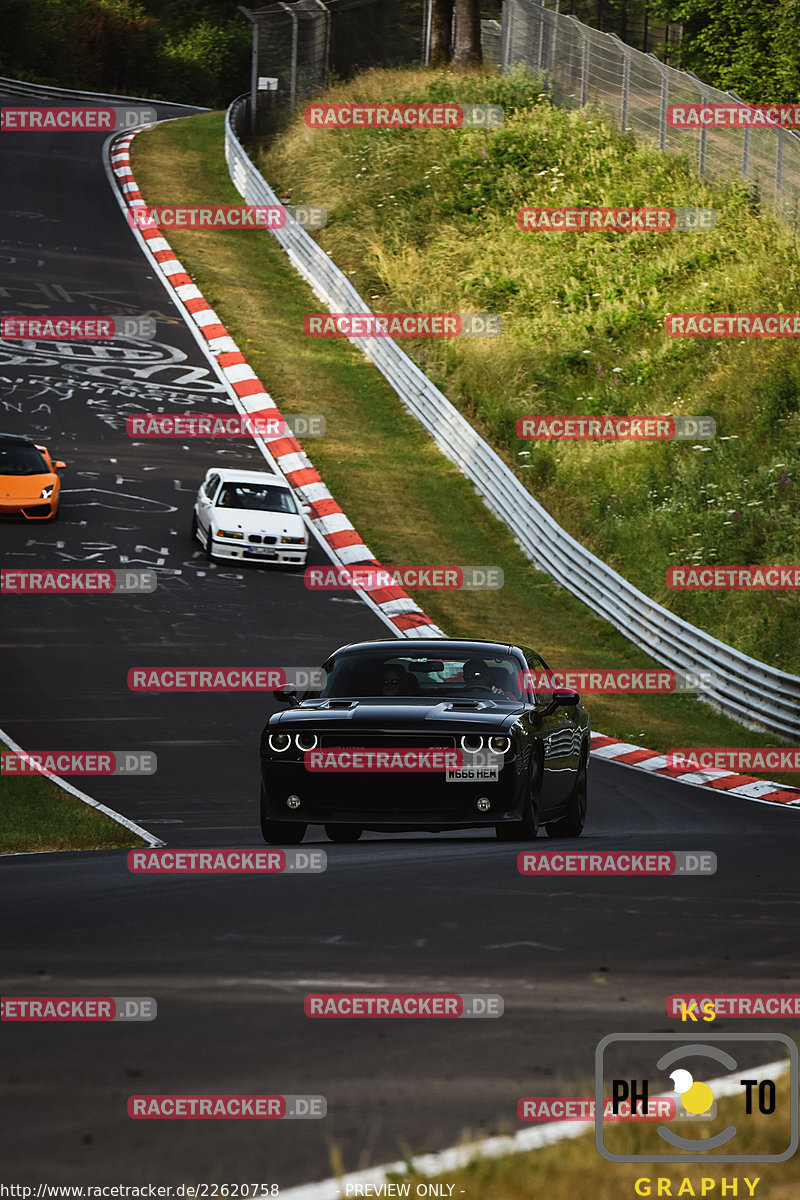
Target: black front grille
<point>410,741</point>
<point>255,538</point>
<point>35,510</point>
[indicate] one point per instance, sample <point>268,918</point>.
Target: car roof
<point>232,475</point>
<point>432,646</point>
<point>17,439</point>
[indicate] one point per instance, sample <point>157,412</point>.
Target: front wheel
<point>280,833</point>
<point>572,823</point>
<point>528,828</point>
<point>343,833</point>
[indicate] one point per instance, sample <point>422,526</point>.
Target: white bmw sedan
<point>250,515</point>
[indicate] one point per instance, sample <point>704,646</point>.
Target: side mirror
<point>58,465</point>
<point>562,698</point>
<point>287,696</point>
<point>305,509</point>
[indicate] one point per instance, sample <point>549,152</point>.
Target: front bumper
<point>30,510</point>
<point>391,801</point>
<point>232,550</point>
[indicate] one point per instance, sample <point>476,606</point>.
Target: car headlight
<point>47,491</point>
<point>306,741</point>
<point>471,743</point>
<point>279,742</point>
<point>231,533</point>
<point>499,745</point>
<point>287,541</point>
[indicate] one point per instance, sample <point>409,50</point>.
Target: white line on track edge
<point>149,838</point>
<point>496,1147</point>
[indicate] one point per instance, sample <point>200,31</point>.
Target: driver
<point>478,674</point>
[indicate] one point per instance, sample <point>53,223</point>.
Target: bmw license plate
<point>263,551</point>
<point>473,775</point>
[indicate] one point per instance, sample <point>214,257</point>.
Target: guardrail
<point>18,87</point>
<point>751,692</point>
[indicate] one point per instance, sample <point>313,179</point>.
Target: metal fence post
<point>327,13</point>
<point>293,81</point>
<point>540,15</point>
<point>745,166</point>
<point>626,80</point>
<point>506,22</point>
<point>664,102</point>
<point>254,79</point>
<point>585,53</point>
<point>427,30</point>
<point>703,147</point>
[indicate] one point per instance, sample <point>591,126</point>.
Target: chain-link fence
<point>299,46</point>
<point>588,67</point>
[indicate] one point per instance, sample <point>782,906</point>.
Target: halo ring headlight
<point>306,741</point>
<point>279,742</point>
<point>471,743</point>
<point>500,745</point>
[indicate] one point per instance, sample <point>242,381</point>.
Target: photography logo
<point>675,1057</point>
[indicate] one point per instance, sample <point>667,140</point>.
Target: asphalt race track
<point>229,959</point>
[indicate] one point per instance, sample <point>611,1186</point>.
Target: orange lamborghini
<point>29,483</point>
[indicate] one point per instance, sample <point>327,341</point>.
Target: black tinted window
<point>16,459</point>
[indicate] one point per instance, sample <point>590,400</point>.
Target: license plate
<point>473,775</point>
<point>264,551</point>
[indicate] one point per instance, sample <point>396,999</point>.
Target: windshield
<point>257,497</point>
<point>473,677</point>
<point>16,459</point>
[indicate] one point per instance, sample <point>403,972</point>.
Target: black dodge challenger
<point>431,734</point>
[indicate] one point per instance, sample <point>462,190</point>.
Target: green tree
<point>750,47</point>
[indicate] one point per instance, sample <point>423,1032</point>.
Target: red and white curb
<point>251,398</point>
<point>718,780</point>
<point>146,837</point>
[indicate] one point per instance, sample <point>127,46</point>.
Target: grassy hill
<point>427,221</point>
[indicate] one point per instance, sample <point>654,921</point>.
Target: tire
<point>194,527</point>
<point>343,833</point>
<point>528,828</point>
<point>280,833</point>
<point>572,823</point>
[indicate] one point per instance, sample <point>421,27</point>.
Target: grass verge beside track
<point>573,1168</point>
<point>36,814</point>
<point>409,504</point>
